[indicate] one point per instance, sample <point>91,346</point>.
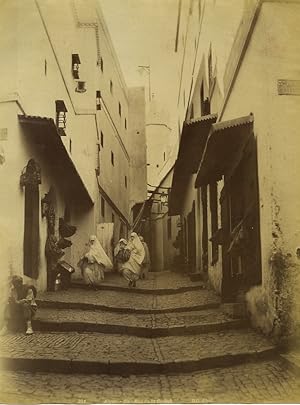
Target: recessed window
<point>102,207</point>
<point>126,181</point>
<point>112,158</point>
<point>45,67</point>
<point>101,65</point>
<point>70,145</point>
<point>61,118</point>
<point>98,100</point>
<point>111,87</point>
<point>102,139</point>
<point>164,156</point>
<point>120,109</point>
<point>112,218</point>
<point>157,166</point>
<point>125,123</point>
<point>75,65</point>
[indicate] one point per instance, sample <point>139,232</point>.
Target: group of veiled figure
<point>132,260</point>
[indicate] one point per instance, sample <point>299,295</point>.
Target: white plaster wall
<point>112,177</point>
<point>38,91</point>
<point>273,53</point>
<point>17,151</point>
<point>137,145</point>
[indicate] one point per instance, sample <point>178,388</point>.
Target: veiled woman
<point>94,262</point>
<point>131,269</point>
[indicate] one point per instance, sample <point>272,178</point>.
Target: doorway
<point>31,180</point>
<point>241,249</point>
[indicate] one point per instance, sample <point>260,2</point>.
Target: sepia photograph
<point>150,204</point>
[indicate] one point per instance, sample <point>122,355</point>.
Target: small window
<point>164,156</point>
<point>120,110</point>
<point>102,139</point>
<point>102,207</point>
<point>98,100</point>
<point>61,111</point>
<point>45,67</point>
<point>125,123</point>
<point>112,218</point>
<point>111,87</point>
<point>169,228</point>
<point>112,158</point>
<point>70,145</point>
<point>75,65</point>
<point>101,65</point>
<point>126,181</point>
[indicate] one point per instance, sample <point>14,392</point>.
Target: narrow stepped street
<point>165,341</point>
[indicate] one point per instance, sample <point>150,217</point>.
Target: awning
<point>192,142</point>
<point>43,131</point>
<point>191,147</point>
<point>177,192</point>
<point>224,149</point>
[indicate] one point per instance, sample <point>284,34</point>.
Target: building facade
<point>237,160</point>
<point>67,152</point>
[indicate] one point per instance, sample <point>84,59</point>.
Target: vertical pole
<point>149,78</point>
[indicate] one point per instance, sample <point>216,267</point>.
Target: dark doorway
<point>241,252</point>
<point>204,229</point>
<point>192,239</point>
<point>31,179</point>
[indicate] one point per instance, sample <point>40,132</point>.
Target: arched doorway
<point>31,178</point>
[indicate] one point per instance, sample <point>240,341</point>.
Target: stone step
<point>126,355</point>
<point>164,282</point>
<point>145,325</point>
<point>141,289</point>
<point>123,302</point>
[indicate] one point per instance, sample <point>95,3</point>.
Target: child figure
<point>21,305</point>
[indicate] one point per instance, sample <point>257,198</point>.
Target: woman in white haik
<point>132,268</point>
<point>93,263</point>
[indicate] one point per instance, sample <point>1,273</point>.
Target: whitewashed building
<point>66,140</point>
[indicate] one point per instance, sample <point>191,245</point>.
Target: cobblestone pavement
<point>125,300</point>
<point>155,280</point>
<point>265,382</point>
<point>112,347</point>
<point>137,320</point>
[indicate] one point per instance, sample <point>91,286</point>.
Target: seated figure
<point>21,307</point>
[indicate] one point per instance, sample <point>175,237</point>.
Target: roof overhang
<point>191,147</point>
<point>43,131</point>
<point>224,149</point>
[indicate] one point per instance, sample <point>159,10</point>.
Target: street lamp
<point>146,68</point>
